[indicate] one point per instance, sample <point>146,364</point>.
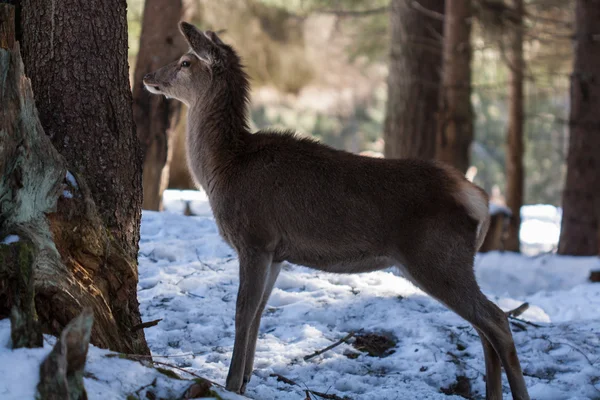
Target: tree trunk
<point>85,251</point>
<point>580,233</point>
<point>156,117</point>
<point>414,78</point>
<point>514,146</point>
<point>76,57</point>
<point>455,118</point>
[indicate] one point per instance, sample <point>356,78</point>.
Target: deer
<point>278,197</point>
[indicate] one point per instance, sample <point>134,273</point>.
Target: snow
<point>540,228</point>
<point>189,278</point>
<point>10,239</point>
<point>69,176</point>
<point>106,376</point>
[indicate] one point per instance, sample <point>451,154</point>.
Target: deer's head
<point>207,68</point>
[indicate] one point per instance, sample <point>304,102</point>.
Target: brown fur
<point>277,197</point>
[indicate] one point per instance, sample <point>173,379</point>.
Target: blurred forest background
<point>320,67</point>
<point>484,85</point>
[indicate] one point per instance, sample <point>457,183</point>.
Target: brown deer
<point>277,197</point>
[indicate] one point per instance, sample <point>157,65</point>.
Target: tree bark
<point>580,233</point>
<point>414,78</point>
<point>81,208</point>
<point>455,118</point>
<point>19,129</point>
<point>76,57</point>
<point>156,117</point>
<point>514,145</point>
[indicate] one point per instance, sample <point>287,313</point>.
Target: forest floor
<point>188,278</point>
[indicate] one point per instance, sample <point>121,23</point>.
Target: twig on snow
<point>326,396</point>
<point>319,352</point>
<point>309,393</point>
<point>186,371</point>
<point>138,392</point>
<point>281,378</point>
<point>524,322</point>
<point>137,357</point>
<point>574,348</point>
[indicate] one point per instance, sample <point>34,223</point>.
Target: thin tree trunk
<point>514,147</point>
<point>455,118</point>
<point>85,251</point>
<point>414,78</point>
<point>580,233</point>
<point>156,117</point>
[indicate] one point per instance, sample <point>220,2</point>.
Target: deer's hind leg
<point>493,369</point>
<point>446,273</point>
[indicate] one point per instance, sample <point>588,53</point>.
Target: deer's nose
<point>147,76</point>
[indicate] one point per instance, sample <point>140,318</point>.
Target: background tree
<point>156,117</point>
<point>414,78</point>
<point>85,252</point>
<point>516,119</point>
<point>455,118</point>
<point>580,233</point>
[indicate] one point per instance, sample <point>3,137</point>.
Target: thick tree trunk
<point>455,118</point>
<point>580,234</point>
<point>514,146</point>
<point>156,117</point>
<point>414,78</point>
<point>75,54</point>
<point>85,252</point>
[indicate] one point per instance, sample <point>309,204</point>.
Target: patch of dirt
<point>462,388</point>
<point>374,344</point>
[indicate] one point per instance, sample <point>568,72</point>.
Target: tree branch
<point>319,352</point>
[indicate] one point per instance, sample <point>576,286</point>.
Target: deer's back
<point>314,205</point>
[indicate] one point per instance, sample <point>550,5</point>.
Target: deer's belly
<point>347,266</point>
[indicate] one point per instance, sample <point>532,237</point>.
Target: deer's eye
<point>185,64</point>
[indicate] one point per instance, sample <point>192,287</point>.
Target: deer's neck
<point>216,132</point>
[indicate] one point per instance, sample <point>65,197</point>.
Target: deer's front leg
<point>254,267</point>
<point>272,275</point>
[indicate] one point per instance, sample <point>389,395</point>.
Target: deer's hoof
<point>244,384</point>
<point>234,385</point>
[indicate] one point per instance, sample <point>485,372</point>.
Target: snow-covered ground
<point>188,277</point>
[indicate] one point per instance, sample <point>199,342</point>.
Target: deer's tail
<point>476,202</point>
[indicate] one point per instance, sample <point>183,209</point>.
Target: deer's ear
<point>201,45</point>
<point>214,37</point>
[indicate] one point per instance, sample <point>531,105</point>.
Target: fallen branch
<point>308,392</point>
<point>186,371</point>
<point>137,357</point>
<point>518,311</point>
<point>281,378</point>
<point>145,325</point>
<point>327,395</point>
<point>574,348</point>
<point>522,327</point>
<point>524,321</point>
<point>319,352</point>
